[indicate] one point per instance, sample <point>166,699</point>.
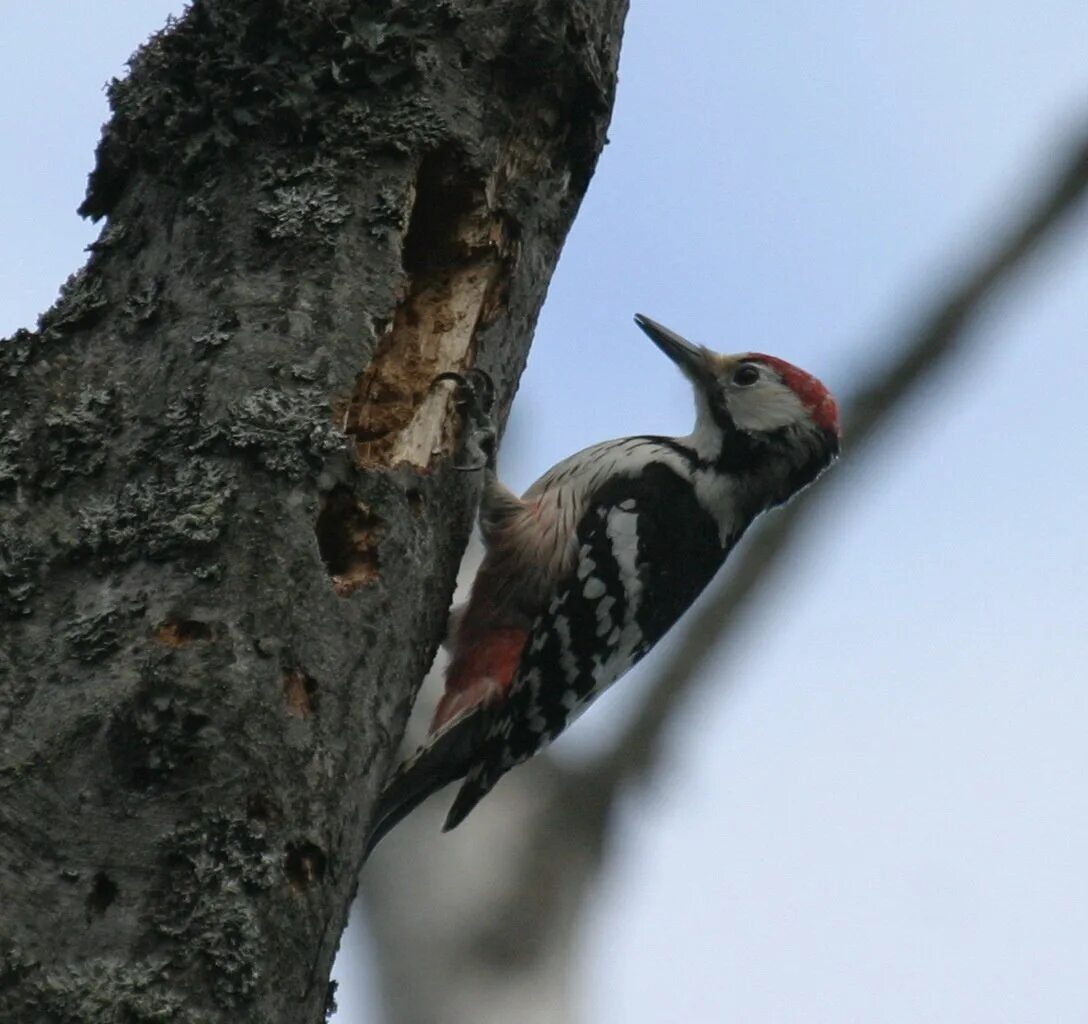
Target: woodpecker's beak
<point>690,358</point>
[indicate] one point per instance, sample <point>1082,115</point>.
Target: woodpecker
<point>599,558</point>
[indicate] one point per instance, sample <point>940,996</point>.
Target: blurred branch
<point>921,352</point>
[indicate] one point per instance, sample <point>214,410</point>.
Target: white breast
<point>555,504</point>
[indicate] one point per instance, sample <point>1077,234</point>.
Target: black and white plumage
<point>601,556</point>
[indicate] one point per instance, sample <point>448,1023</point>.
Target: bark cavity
<point>182,632</point>
<point>103,892</point>
<point>348,534</point>
<point>304,864</point>
<point>454,256</point>
<point>299,694</point>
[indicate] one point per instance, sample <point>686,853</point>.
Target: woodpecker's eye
<point>745,376</point>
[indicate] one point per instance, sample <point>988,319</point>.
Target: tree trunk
<point>229,527</point>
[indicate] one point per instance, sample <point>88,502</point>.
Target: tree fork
<point>229,528</point>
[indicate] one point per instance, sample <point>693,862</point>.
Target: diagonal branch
<point>923,350</point>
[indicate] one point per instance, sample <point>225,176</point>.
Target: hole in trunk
<point>179,632</point>
<point>305,864</point>
<point>300,694</point>
<point>347,537</point>
<point>103,892</point>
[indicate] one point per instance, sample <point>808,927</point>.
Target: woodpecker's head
<point>750,405</point>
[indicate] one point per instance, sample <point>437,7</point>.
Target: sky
<point>876,809</point>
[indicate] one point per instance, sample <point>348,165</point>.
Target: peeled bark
<point>229,525</point>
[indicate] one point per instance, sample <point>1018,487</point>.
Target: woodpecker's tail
<point>474,789</point>
<point>446,757</point>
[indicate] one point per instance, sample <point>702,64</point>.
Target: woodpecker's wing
<point>647,546</point>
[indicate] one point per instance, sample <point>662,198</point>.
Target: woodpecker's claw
<point>475,398</point>
<point>476,386</point>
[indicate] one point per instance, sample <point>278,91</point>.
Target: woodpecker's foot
<point>474,401</point>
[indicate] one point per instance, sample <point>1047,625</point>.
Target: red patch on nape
<point>814,396</point>
<point>480,672</point>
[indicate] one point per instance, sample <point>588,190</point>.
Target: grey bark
<point>229,527</point>
<point>486,925</point>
